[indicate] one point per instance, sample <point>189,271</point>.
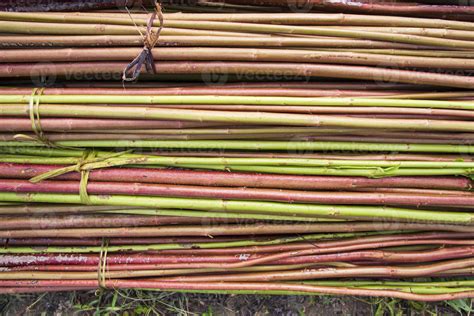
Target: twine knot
<point>102,266</point>
<point>89,161</point>
<point>150,39</point>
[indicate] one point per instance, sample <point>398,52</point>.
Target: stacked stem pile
<point>446,9</point>
<point>187,204</point>
<point>240,46</point>
<point>268,182</point>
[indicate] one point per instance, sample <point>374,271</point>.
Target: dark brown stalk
<point>112,241</point>
<point>114,69</point>
<point>63,5</point>
<point>112,220</point>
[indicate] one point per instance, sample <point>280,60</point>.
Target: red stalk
<point>322,273</point>
<point>112,220</point>
<point>225,230</point>
<point>356,198</point>
<point>238,179</point>
<point>39,289</point>
<point>90,263</point>
<point>112,241</point>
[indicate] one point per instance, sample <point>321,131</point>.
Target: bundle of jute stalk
<point>264,225</point>
<point>270,117</point>
<point>242,45</point>
<point>100,190</point>
<point>270,182</point>
<point>309,264</point>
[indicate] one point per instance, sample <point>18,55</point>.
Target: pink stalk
<point>193,262</point>
<point>238,179</point>
<point>356,198</point>
<point>112,241</point>
<point>78,124</point>
<point>295,92</point>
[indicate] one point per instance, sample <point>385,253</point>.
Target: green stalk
<point>342,171</point>
<point>235,117</point>
<point>369,168</point>
<point>186,213</point>
<point>447,284</point>
<point>269,292</point>
<point>296,146</point>
<point>336,170</point>
<point>418,290</point>
<point>127,274</point>
<point>234,100</point>
<point>410,52</point>
<point>137,159</point>
<point>320,31</point>
<point>301,162</point>
<point>277,18</point>
<point>104,29</point>
<point>22,209</point>
<point>374,213</point>
<point>235,54</point>
<point>31,152</point>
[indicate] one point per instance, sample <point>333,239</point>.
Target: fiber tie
<point>150,39</point>
<point>34,114</point>
<point>102,266</point>
<point>86,163</point>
